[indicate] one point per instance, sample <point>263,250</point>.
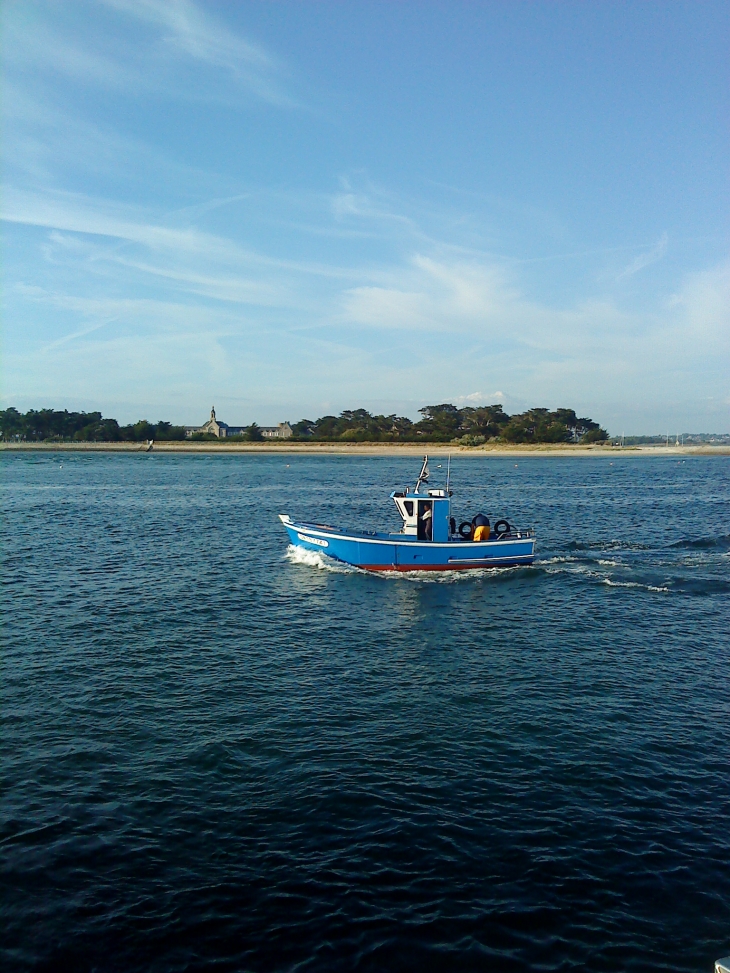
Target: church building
<point>214,427</point>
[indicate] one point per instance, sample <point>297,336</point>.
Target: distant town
<point>445,423</point>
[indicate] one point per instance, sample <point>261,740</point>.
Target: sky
<point>288,209</point>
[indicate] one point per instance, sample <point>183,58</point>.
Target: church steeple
<point>212,413</point>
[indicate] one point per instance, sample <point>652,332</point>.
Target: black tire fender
<point>465,533</point>
<point>501,528</point>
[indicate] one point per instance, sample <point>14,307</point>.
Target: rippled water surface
<point>217,754</point>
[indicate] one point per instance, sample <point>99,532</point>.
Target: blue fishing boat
<point>427,541</point>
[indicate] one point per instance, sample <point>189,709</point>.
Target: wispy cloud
<point>190,32</point>
<point>50,143</point>
<point>703,305</point>
<point>195,32</point>
<point>645,259</point>
<point>540,350</point>
<point>147,45</point>
<point>76,213</point>
<point>436,295</point>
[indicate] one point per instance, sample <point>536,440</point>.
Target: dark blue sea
<point>219,756</point>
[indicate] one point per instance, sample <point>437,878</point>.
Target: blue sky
<point>290,209</point>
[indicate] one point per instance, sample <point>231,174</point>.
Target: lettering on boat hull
<point>319,541</point>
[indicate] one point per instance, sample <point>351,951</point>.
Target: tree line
<point>41,425</point>
<point>445,423</point>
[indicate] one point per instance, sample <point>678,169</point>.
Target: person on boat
<point>427,518</point>
<point>480,528</point>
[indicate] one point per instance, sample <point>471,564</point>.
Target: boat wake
<point>313,559</point>
<point>633,584</point>
<point>613,545</point>
<point>452,577</point>
<point>657,575</point>
<point>597,571</point>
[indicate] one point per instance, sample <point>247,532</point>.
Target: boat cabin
<point>417,509</point>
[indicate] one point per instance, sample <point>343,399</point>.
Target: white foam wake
<point>632,584</point>
<point>447,577</point>
<point>315,559</point>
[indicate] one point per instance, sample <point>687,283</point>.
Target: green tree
<point>166,431</point>
<point>537,426</point>
<point>440,422</point>
<point>487,421</point>
<point>596,435</point>
<point>304,429</point>
<point>49,424</point>
<point>11,423</point>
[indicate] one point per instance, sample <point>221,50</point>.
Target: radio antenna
<point>423,475</point>
<point>448,473</point>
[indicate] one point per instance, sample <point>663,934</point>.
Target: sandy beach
<point>376,449</point>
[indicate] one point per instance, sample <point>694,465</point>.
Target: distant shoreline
<point>374,449</point>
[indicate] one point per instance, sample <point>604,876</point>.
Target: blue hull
<point>399,552</point>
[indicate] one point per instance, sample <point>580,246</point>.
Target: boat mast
<point>423,475</point>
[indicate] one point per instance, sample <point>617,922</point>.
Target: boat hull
<point>398,552</point>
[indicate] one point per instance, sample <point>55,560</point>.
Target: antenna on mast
<point>423,475</point>
<point>448,473</point>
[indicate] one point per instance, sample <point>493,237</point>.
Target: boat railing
<point>518,535</point>
<point>526,533</point>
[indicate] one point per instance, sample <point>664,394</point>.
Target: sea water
<point>220,753</point>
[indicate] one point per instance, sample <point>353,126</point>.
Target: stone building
<point>214,427</point>
<point>282,431</point>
